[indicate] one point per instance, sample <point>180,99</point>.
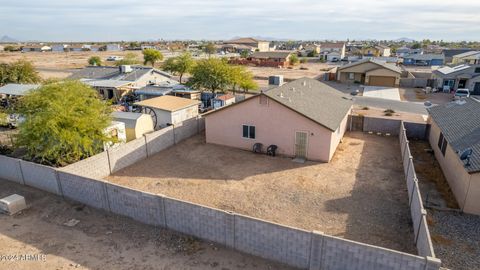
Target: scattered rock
<point>71,223</point>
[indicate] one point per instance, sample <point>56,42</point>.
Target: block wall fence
<point>82,182</point>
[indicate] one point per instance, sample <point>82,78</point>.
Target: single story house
<point>404,51</point>
<point>327,48</point>
<point>249,44</point>
<point>470,57</point>
<point>113,47</point>
<point>115,82</point>
<point>15,89</point>
<point>223,100</point>
<point>58,47</point>
<point>36,48</point>
<point>305,119</point>
<point>370,72</point>
<point>383,51</point>
<point>376,51</point>
<point>169,110</point>
<point>461,76</point>
<point>450,53</point>
<point>136,124</point>
<point>271,59</point>
<point>455,131</point>
<point>424,60</point>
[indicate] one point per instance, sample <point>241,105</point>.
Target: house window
<point>442,143</point>
<point>477,70</point>
<point>248,132</point>
<point>351,76</point>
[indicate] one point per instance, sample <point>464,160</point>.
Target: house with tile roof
<point>305,119</point>
<point>246,44</point>
<point>463,76</point>
<point>455,132</point>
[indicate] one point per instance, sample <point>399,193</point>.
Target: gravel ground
<point>103,240</point>
<point>360,195</point>
<point>455,236</point>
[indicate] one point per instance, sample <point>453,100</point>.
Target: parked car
<point>114,58</point>
<point>461,93</point>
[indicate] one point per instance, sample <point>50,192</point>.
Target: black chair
<point>257,148</point>
<point>271,150</point>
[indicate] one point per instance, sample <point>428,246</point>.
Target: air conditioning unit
<point>275,80</point>
<point>12,204</point>
<point>125,69</point>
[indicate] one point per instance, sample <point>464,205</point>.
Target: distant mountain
<point>407,40</point>
<point>7,39</point>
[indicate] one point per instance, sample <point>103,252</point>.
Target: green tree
<point>212,74</point>
<point>64,123</point>
<point>293,59</point>
<point>241,77</point>
<point>95,61</point>
<point>180,65</point>
<point>244,54</point>
<point>21,71</point>
<point>416,45</point>
<point>210,49</point>
<point>129,59</point>
<point>151,56</point>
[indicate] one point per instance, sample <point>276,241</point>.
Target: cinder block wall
<point>95,167</point>
<point>127,154</point>
<point>10,169</point>
<point>41,177</point>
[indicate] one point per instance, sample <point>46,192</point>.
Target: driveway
<point>398,106</point>
<point>381,92</point>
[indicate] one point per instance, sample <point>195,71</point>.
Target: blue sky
<point>97,20</point>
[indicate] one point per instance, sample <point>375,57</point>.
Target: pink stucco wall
<point>274,124</point>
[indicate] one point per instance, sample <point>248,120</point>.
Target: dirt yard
<point>382,113</point>
<point>455,236</point>
<point>102,240</point>
<point>418,95</point>
<point>361,195</point>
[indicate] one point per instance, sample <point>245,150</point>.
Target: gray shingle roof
<point>386,65</point>
<point>17,89</point>
<point>113,73</point>
<point>460,125</point>
<point>424,57</point>
<point>313,99</point>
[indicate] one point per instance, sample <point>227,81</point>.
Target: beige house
<point>332,50</point>
<point>370,72</point>
<point>455,128</point>
<point>246,44</point>
<point>136,124</point>
<point>169,110</point>
<point>305,119</point>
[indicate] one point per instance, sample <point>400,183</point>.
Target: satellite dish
<point>466,154</point>
<point>427,103</point>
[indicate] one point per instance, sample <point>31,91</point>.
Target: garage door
<point>381,81</point>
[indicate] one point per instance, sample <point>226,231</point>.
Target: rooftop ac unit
<point>275,80</point>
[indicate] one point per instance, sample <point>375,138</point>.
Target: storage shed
<point>136,124</point>
<point>169,110</point>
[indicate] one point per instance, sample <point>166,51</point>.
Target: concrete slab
<point>381,92</point>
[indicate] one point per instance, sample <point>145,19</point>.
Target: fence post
<point>230,230</point>
<point>146,144</point>
<point>423,213</point>
<point>410,161</point>
<point>415,180</point>
<point>316,250</point>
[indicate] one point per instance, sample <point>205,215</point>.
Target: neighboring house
<point>454,129</point>
<point>2,48</point>
<point>310,49</point>
<point>58,48</point>
<point>248,44</point>
<point>136,124</point>
<point>450,53</point>
<point>404,51</point>
<point>370,72</point>
<point>114,82</point>
<point>383,51</point>
<point>470,57</point>
<point>36,48</point>
<point>223,100</point>
<point>94,48</point>
<point>461,76</point>
<point>424,60</point>
<point>305,119</point>
<point>113,47</point>
<point>170,110</point>
<point>327,48</point>
<point>76,48</point>
<point>266,59</point>
<point>15,89</point>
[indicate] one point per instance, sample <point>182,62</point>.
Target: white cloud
<point>302,19</point>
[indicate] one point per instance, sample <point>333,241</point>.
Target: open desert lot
<point>102,240</point>
<point>360,195</point>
